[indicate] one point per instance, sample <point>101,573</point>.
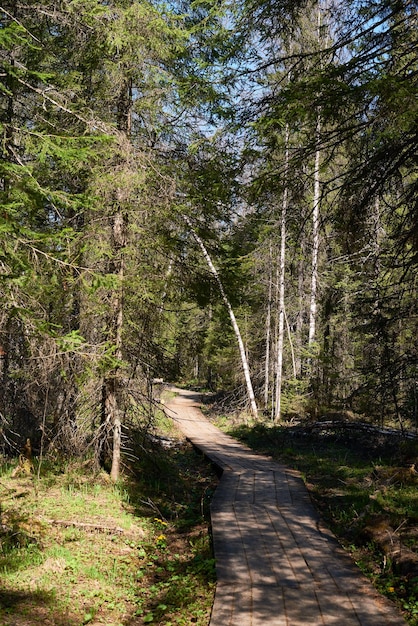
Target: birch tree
<point>315,237</point>
<point>282,278</point>
<point>241,347</point>
<point>268,329</point>
<point>316,217</point>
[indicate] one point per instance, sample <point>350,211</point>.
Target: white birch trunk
<point>274,342</point>
<point>315,216</point>
<point>301,304</point>
<point>316,210</point>
<point>282,272</point>
<point>292,350</point>
<point>315,240</point>
<point>235,326</point>
<point>268,335</point>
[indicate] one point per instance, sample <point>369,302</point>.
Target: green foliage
<point>119,119</point>
<point>71,342</point>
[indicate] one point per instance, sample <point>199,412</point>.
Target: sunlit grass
<point>79,549</point>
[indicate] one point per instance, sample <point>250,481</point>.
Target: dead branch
<point>86,526</point>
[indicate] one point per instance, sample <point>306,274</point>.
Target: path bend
<point>276,563</point>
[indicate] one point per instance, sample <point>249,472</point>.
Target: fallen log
<point>355,426</point>
<point>86,526</point>
<point>403,560</point>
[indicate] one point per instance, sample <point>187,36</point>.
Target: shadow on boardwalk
<point>276,563</point>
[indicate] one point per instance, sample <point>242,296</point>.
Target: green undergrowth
<point>76,549</point>
<point>365,487</point>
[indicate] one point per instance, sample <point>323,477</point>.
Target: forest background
<point>218,193</point>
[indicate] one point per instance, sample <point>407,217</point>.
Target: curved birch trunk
<point>235,326</point>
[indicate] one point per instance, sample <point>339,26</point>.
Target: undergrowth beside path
<point>77,550</point>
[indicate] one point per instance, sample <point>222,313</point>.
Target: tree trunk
<point>268,334</point>
<point>235,326</point>
<point>112,400</point>
<point>111,389</point>
<point>315,240</point>
<point>282,273</point>
<point>301,308</point>
<point>315,212</point>
<point>116,454</point>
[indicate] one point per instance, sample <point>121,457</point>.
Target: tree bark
<point>282,275</point>
<point>117,313</point>
<point>111,410</point>
<point>234,323</point>
<point>268,334</point>
<point>112,387</point>
<point>315,240</point>
<point>117,445</point>
<point>315,213</point>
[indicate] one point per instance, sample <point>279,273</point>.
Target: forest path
<point>276,563</point>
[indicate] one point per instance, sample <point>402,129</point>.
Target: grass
<point>356,480</point>
<point>77,550</point>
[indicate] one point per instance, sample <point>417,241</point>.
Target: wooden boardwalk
<point>276,563</point>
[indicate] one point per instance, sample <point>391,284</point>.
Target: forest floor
<point>75,549</point>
